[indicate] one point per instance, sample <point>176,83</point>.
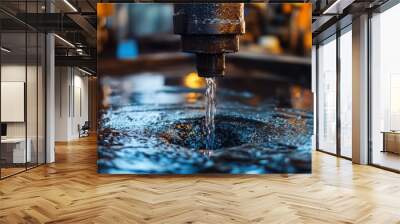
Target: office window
<point>327,96</point>
<point>346,92</point>
<point>385,88</point>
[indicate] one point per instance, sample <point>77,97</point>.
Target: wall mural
<point>204,88</point>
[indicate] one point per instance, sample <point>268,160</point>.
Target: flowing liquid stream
<point>210,112</point>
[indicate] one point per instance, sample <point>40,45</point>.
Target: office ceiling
<point>19,53</point>
<point>328,16</point>
<point>57,5</point>
<point>73,20</point>
<point>79,26</point>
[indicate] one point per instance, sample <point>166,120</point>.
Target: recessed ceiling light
<point>84,71</point>
<point>5,50</point>
<point>65,41</point>
<point>337,7</point>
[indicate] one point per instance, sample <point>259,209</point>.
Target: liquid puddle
<point>210,97</point>
<point>137,136</point>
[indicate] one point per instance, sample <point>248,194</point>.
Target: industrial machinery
<point>209,30</point>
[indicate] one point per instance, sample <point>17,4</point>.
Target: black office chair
<point>84,130</point>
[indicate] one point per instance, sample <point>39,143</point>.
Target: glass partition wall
<point>334,94</point>
<point>345,91</point>
<point>385,89</point>
<point>22,78</point>
<point>326,99</point>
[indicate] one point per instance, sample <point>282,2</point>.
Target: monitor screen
<point>3,129</point>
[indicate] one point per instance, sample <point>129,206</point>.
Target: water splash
<point>254,134</point>
<point>210,96</point>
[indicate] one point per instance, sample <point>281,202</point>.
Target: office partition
<point>22,77</point>
<point>327,95</point>
<point>345,93</point>
<point>385,88</point>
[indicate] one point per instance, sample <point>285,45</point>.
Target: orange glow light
<point>192,80</point>
<point>105,9</point>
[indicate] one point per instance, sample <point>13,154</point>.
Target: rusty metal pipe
<point>210,30</point>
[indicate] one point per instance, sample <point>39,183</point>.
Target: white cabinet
<point>19,155</point>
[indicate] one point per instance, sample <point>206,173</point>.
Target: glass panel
<point>385,84</point>
<point>32,88</point>
<point>22,88</point>
<point>14,152</point>
<point>32,96</point>
<point>13,87</point>
<point>327,96</point>
<point>346,94</point>
<point>41,99</point>
<point>39,7</point>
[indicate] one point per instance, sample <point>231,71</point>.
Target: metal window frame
<point>330,38</point>
<point>381,9</point>
<point>386,6</point>
<point>339,32</point>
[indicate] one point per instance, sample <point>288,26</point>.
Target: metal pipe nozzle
<point>209,30</point>
<point>210,65</point>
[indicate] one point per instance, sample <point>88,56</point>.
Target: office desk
<point>13,150</point>
<point>391,141</point>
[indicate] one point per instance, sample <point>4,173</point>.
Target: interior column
<point>360,90</point>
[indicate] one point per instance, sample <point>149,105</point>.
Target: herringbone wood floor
<point>70,191</point>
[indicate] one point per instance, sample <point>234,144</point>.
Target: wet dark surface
<point>155,125</point>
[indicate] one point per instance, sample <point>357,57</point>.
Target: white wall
<point>62,82</point>
<point>11,73</point>
<point>15,72</point>
<point>33,127</point>
<point>80,110</point>
<point>71,102</point>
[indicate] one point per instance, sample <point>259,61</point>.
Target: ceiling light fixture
<point>70,5</point>
<point>331,8</point>
<point>65,41</point>
<point>84,71</point>
<point>337,7</point>
<point>80,51</point>
<point>5,50</point>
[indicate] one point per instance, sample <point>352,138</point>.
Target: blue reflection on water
<point>160,131</point>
